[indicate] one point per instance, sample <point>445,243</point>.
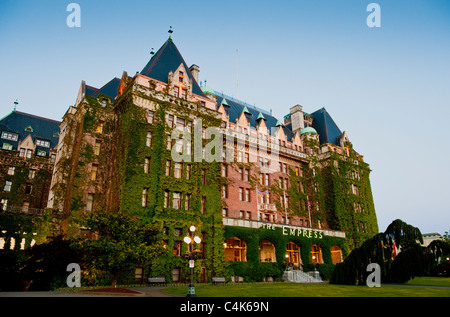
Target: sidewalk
<point>132,292</point>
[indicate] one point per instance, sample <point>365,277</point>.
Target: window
<point>176,201</point>
<point>31,174</point>
<point>181,123</point>
<point>168,164</point>
<point>29,152</point>
<point>149,139</point>
<point>225,212</point>
<point>316,254</point>
<point>28,188</point>
<point>104,103</point>
<point>224,191</point>
<point>176,248</point>
<point>41,153</point>
<point>176,91</point>
<point>267,251</point>
<point>25,206</point>
<point>146,165</point>
<point>336,255</point>
<point>224,170</point>
<point>29,129</point>
<point>42,143</point>
<point>235,250</point>
<point>166,199</point>
<point>177,170</point>
<point>52,158</point>
<point>4,204</point>
<point>188,171</point>
<point>10,136</point>
<point>7,187</point>
<point>97,147</point>
<point>22,152</point>
<point>100,127</point>
<point>150,116</point>
<point>204,181</point>
<point>203,205</point>
<point>144,197</point>
<point>241,194</point>
<point>187,202</point>
<point>94,172</point>
<point>7,146</point>
<point>11,170</point>
<point>246,173</point>
<point>293,254</point>
<point>247,194</point>
<point>89,202</point>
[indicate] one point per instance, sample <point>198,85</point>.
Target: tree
<point>122,242</point>
<point>413,260</point>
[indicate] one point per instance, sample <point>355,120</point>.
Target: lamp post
<point>190,239</point>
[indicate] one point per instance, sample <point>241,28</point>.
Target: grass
<point>319,290</point>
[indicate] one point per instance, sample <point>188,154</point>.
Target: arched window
<point>316,254</point>
<point>293,255</point>
<point>336,254</point>
<point>267,251</point>
<point>235,250</point>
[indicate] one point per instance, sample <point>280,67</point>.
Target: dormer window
<point>29,129</point>
<point>42,143</point>
<point>9,136</point>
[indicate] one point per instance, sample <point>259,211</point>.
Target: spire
<point>260,116</point>
<point>245,110</point>
<point>15,105</point>
<point>170,32</point>
<point>165,60</point>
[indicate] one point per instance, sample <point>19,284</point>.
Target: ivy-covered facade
<point>275,195</point>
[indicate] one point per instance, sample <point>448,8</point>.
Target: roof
<point>167,59</point>
<point>237,108</point>
<point>42,128</point>
<point>326,127</point>
<point>109,89</point>
<point>309,130</point>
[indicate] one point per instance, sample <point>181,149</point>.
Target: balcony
<point>23,210</point>
<point>266,207</point>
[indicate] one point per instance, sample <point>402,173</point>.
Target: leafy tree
<point>413,260</point>
<point>121,242</point>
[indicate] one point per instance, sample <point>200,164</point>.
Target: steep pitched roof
<point>109,89</point>
<point>326,127</point>
<point>42,128</point>
<point>236,110</point>
<point>167,59</point>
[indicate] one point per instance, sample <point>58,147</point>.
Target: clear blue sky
<point>387,87</point>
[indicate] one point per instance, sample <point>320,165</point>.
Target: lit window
<point>97,147</point>
<point>41,153</point>
<point>187,203</point>
<point>31,174</point>
<point>29,152</point>
<point>100,127</point>
<point>94,172</point>
<point>11,170</point>
<point>7,187</point>
<point>146,165</point>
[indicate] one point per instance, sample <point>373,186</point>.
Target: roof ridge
<point>36,116</point>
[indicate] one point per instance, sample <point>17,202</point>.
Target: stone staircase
<point>297,276</point>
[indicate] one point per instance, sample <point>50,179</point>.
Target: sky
<point>388,87</point>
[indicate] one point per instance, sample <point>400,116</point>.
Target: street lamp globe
<point>197,239</point>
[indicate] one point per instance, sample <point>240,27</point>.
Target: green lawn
<point>319,290</point>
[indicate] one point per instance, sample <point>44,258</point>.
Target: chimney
<point>298,124</point>
<point>194,69</point>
